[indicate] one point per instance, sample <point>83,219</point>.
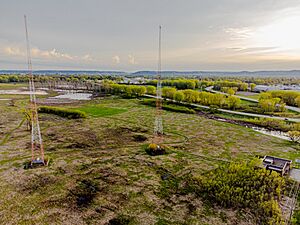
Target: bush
<point>154,149</point>
<point>294,136</point>
<point>176,108</point>
<point>287,96</point>
<point>272,124</point>
<point>244,186</point>
<point>67,113</point>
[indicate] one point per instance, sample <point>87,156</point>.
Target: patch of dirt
<point>84,193</point>
<point>120,220</point>
<point>139,137</point>
<point>123,135</point>
<point>35,182</point>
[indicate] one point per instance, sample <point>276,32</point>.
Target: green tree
<point>265,95</point>
<point>129,90</point>
<point>297,100</point>
<point>168,92</point>
<point>218,99</point>
<point>140,91</point>
<point>233,102</point>
<point>151,90</point>
<point>266,105</point>
<point>230,91</point>
<point>243,87</point>
<point>252,86</point>
<point>191,95</point>
<point>179,96</point>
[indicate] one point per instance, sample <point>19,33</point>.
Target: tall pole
<point>158,127</point>
<point>37,149</point>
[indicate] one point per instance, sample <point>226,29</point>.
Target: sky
<point>122,35</point>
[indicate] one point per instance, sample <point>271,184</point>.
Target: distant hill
<point>287,73</point>
<point>282,73</point>
<point>64,72</point>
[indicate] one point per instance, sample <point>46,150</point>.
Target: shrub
<point>154,149</point>
<point>67,113</point>
<point>244,185</point>
<point>294,135</point>
<point>289,97</point>
<point>272,124</point>
<point>176,108</point>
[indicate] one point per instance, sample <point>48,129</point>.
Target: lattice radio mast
<point>158,127</point>
<point>37,149</point>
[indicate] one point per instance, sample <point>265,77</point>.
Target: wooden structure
<point>279,165</point>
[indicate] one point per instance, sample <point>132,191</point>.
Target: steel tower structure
<point>37,149</point>
<point>158,127</point>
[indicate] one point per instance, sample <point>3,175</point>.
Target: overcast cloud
<point>122,34</point>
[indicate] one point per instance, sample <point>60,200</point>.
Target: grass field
<point>100,171</point>
<point>10,86</point>
<point>99,110</point>
<point>252,95</point>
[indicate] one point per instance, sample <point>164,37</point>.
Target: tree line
<point>268,103</point>
<point>288,97</point>
<point>224,85</point>
<point>182,84</point>
<point>13,78</point>
<point>203,98</point>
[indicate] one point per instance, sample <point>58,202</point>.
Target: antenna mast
<point>158,127</point>
<point>37,149</point>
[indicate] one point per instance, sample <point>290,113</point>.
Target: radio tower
<point>37,149</point>
<point>158,127</point>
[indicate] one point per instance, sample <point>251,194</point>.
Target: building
<point>279,165</point>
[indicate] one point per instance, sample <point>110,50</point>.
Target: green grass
<point>246,102</point>
<point>101,148</point>
<point>9,86</point>
<point>6,96</point>
<point>101,111</point>
<point>254,96</point>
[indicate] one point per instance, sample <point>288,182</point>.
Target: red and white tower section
<point>37,148</point>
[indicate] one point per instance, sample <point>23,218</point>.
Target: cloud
<point>116,59</point>
<point>14,51</point>
<point>254,49</point>
<point>88,58</point>
<point>51,54</point>
<point>48,54</point>
<point>239,33</point>
<point>131,59</point>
